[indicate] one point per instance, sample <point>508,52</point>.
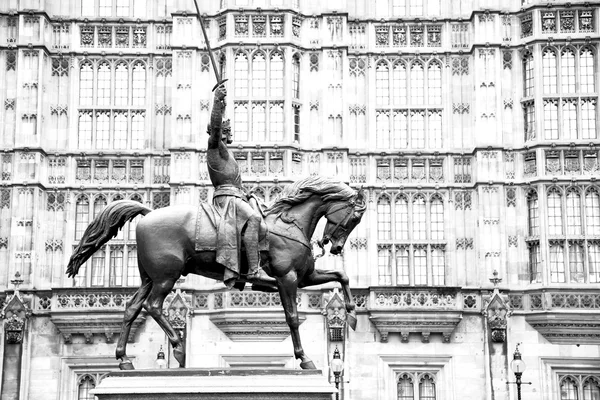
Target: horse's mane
<point>301,190</point>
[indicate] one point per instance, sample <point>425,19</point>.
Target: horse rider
<point>238,218</point>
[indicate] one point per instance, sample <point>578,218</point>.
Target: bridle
<point>351,206</point>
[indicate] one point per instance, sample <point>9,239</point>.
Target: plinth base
<point>215,384</point>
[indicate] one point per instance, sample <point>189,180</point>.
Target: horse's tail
<point>103,228</point>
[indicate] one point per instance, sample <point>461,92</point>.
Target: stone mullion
<point>543,242</point>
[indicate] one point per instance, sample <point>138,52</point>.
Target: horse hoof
<point>307,365</point>
<point>126,365</point>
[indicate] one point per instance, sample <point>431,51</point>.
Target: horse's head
<point>342,216</point>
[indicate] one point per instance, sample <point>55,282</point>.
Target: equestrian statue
<point>235,239</point>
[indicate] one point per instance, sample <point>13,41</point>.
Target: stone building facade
<point>472,125</point>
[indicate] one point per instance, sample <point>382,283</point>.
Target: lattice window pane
<point>588,119</point>
<point>586,70</point>
<point>528,75</point>
<point>420,263</point>
<point>437,219</point>
<point>592,213</point>
<point>438,267</point>
<point>535,272</point>
<point>133,274</point>
<point>86,84</point>
<point>549,70</point>
<point>568,389</point>
<point>554,213</point>
<point>426,388</point>
<point>120,140</point>
<point>383,129</point>
<point>82,210</point>
<point>435,129</point>
<point>401,218</point>
<point>419,211</point>
<point>591,389</point>
<point>259,75</point>
<point>406,390</point>
<point>567,71</point>
<point>400,129</point>
<point>259,122</point>
<point>434,83</point>
<point>576,274</point>
<point>98,267</point>
<point>86,384</point>
<point>276,122</point>
<point>103,130</point>
<point>551,119</point>
<point>533,215</point>
<point>138,97</point>
<point>417,129</point>
<point>116,267</point>
<point>384,222</point>
<point>85,130</point>
<point>382,89</point>
<point>384,263</point>
<point>121,84</point>
<point>105,8</point>
<point>557,263</point>
<point>399,83</point>
<point>569,119</point>
<point>573,213</point>
<point>276,81</point>
<point>295,77</point>
<point>241,75</point>
<point>103,86</point>
<point>417,82</point>
<point>241,122</point>
<point>402,267</point>
<point>138,122</point>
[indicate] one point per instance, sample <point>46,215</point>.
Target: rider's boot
<point>250,238</point>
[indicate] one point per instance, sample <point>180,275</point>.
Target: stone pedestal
<point>215,384</point>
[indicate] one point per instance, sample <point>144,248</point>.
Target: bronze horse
<point>166,251</point>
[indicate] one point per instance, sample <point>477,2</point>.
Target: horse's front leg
<point>288,288</point>
<point>320,276</point>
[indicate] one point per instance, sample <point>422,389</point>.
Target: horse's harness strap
<point>302,239</point>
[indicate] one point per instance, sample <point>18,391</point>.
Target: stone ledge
<point>252,325</point>
<point>106,324</point>
<point>567,328</point>
<point>406,322</point>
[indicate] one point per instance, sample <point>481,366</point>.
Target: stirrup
<point>260,276</point>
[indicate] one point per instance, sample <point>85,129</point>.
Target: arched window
<point>133,274</point>
<point>296,76</point>
<point>551,119</point>
<point>259,75</point>
<point>383,129</point>
<point>567,70</point>
<point>86,84</point>
<point>437,218</point>
<point>258,121</point>
<point>533,216</point>
<point>82,212</point>
<point>99,205</point>
<point>97,272</point>
<point>399,83</point>
<point>121,84</point>
<point>427,388</point>
<point>85,385</point>
<point>138,94</point>
<point>402,265</point>
<point>276,81</point>
<point>384,222</point>
<point>406,389</point>
<point>103,129</point>
<point>401,218</point>
<point>528,74</point>
<point>591,389</point>
<point>400,129</point>
<point>569,118</point>
<point>434,82</point>
<point>586,70</point>
<point>568,389</point>
<point>417,81</point>
<point>419,226</point>
<point>592,212</point>
<point>420,262</point>
<point>85,130</point>
<point>417,129</point>
<point>434,121</point>
<point>576,273</point>
<point>241,74</point>
<point>116,266</point>
<point>382,87</point>
<point>276,121</point>
<point>438,265</point>
<point>588,118</point>
<point>103,87</point>
<point>555,212</point>
<point>573,212</point>
<point>557,262</point>
<point>120,129</point>
<point>138,120</point>
<point>549,70</point>
<point>241,121</point>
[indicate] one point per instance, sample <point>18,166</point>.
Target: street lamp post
<point>337,366</point>
<point>160,358</point>
<point>518,366</point>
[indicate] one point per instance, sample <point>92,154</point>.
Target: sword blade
<point>208,48</point>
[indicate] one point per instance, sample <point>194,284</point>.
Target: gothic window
<point>116,267</point>
<point>138,84</point>
<point>567,70</point>
<point>276,81</point>
<point>417,88</point>
<point>120,130</point>
<point>529,114</point>
<point>105,8</point>
<point>586,70</point>
<point>97,270</point>
<point>383,129</point>
<point>122,9</point>
<point>426,388</point>
<point>554,206</point>
<point>551,119</point>
<point>535,271</point>
<point>241,121</point>
<point>258,121</point>
<point>434,120</point>
<point>259,75</point>
<point>406,389</point>
<point>573,213</point>
<point>592,212</point>
<point>137,130</point>
<point>399,83</point>
<point>133,275</point>
<point>579,387</point>
<point>569,118</point>
<point>434,82</point>
<point>588,119</point>
<point>549,70</point>
<point>241,74</point>
<point>276,121</point>
<point>400,129</point>
<point>557,262</point>
<point>417,129</point>
<point>103,130</point>
<point>86,84</point>
<point>85,130</point>
<point>103,89</point>
<point>528,74</point>
<point>383,85</point>
<point>383,218</point>
<point>295,76</point>
<point>121,84</point>
<point>85,384</point>
<point>81,216</point>
<point>410,231</point>
<point>594,260</point>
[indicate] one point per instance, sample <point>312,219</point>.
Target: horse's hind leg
<point>154,305</point>
<point>134,306</point>
<point>287,292</point>
<point>320,276</point>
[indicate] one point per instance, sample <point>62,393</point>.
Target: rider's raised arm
<point>216,117</point>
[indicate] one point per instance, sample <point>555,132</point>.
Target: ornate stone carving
<point>15,313</point>
<point>335,315</point>
<point>496,310</point>
<point>177,311</point>
<point>460,65</point>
